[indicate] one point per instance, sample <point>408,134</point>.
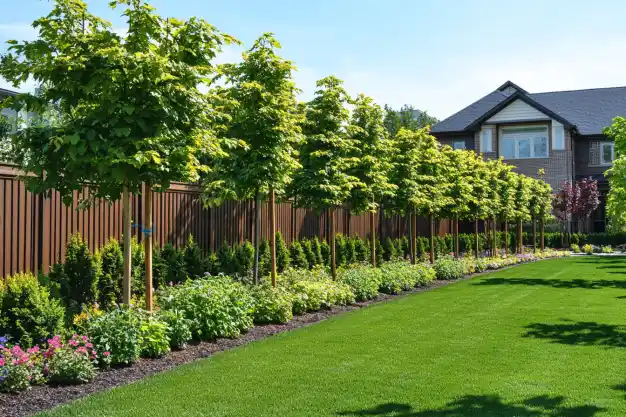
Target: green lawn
<point>544,339</point>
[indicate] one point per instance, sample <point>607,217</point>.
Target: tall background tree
<point>407,117</point>
<point>373,162</point>
<point>576,201</point>
<point>131,115</point>
<point>265,117</point>
<point>523,191</point>
<point>325,180</point>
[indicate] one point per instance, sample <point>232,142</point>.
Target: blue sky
<point>438,55</point>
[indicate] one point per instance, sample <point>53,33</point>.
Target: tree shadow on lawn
<point>557,283</point>
<point>484,406</point>
<point>579,333</point>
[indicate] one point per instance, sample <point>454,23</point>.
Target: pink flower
<point>81,349</point>
<point>88,345</point>
<point>34,349</point>
<point>85,339</point>
<point>93,352</point>
<point>107,354</point>
<point>1,361</point>
<point>16,350</point>
<point>74,336</point>
<point>73,342</point>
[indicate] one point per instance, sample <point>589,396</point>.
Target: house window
<point>458,144</point>
<point>524,142</point>
<point>607,153</point>
<point>485,140</point>
<point>558,138</point>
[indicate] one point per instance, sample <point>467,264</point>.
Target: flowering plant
<point>72,362</point>
<point>19,369</point>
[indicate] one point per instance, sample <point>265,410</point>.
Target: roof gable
<point>517,110</point>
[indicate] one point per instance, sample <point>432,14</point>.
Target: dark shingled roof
<point>5,92</point>
<point>590,111</point>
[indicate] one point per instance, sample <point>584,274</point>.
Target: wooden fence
<point>35,229</point>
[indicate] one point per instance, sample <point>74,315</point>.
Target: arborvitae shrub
<point>340,250</point>
<point>282,253</point>
<point>362,250</point>
<point>176,265</point>
<point>390,250</point>
<point>298,257</point>
<point>404,246</point>
<point>159,268</point>
<point>316,247</point>
<point>350,250</point>
<point>265,258</point>
<point>307,248</point>
<point>225,258</point>
<point>325,251</point>
<point>244,259</point>
<point>380,252</point>
<point>138,268</point>
<point>111,274</point>
<point>195,265</point>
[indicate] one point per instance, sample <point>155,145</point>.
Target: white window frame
<point>602,145</point>
<point>486,140</point>
<point>532,142</point>
<point>458,141</point>
<point>558,138</point>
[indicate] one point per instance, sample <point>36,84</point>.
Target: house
<point>10,114</point>
<point>558,131</point>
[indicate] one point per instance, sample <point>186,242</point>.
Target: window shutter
<point>558,138</point>
<point>485,140</point>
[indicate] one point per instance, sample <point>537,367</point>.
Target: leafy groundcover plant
<point>449,268</point>
<point>271,305</point>
<point>363,280</point>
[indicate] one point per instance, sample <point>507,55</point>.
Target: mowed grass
<point>543,339</point>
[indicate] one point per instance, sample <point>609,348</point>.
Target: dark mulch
<point>44,397</point>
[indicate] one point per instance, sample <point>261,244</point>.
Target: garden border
<point>45,397</point>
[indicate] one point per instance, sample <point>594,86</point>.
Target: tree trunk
<point>333,250</point>
<point>494,252</point>
<point>456,238</point>
<point>476,238</point>
<point>373,237</point>
<point>534,234</point>
<point>506,237</point>
<point>414,237</point>
<point>520,239</point>
<point>431,236</point>
<point>272,212</point>
<point>127,231</point>
<point>147,243</point>
<point>257,238</point>
<point>542,234</point>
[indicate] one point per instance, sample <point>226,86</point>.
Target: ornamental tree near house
<point>540,206</point>
<point>478,178</point>
<point>131,113</point>
<point>523,191</point>
<point>616,199</point>
<point>325,179</point>
<point>265,117</point>
<point>577,201</point>
<point>507,191</point>
<point>372,153</point>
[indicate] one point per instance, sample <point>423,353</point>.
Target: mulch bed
<point>45,397</point>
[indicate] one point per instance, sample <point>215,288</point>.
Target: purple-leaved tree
<point>576,202</point>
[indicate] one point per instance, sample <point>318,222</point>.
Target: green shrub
<point>28,315</point>
<point>362,250</point>
<point>271,305</point>
<point>111,274</point>
<point>116,332</point>
<point>77,279</point>
<point>587,249</point>
<point>380,252</point>
<point>575,248</point>
<point>216,306</point>
<point>195,264</point>
<point>178,328</point>
<point>316,247</point>
<point>282,253</point>
<point>244,259</point>
<point>606,249</point>
<point>397,276</point>
<point>405,248</point>
<point>389,250</point>
<point>340,250</point>
<point>350,249</point>
<point>425,274</point>
<point>314,290</point>
<point>159,268</point>
<point>175,265</point>
<point>226,259</point>
<point>307,248</point>
<point>138,268</point>
<point>325,251</point>
<point>71,363</point>
<point>449,268</point>
<point>265,258</point>
<point>363,280</point>
<point>153,337</point>
<point>298,257</point>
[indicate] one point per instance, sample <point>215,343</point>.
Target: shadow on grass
<point>579,333</point>
<point>484,406</point>
<point>557,283</point>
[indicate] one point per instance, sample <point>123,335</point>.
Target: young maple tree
<point>325,180</point>
<point>576,201</point>
<point>131,114</point>
<point>373,162</point>
<point>265,117</point>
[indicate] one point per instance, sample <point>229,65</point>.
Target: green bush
<point>362,250</point>
<point>587,249</point>
<point>325,252</point>
<point>195,264</point>
<point>397,276</point>
<point>314,290</point>
<point>405,248</point>
<point>380,252</point>
<point>340,250</point>
<point>77,279</point>
<point>298,257</point>
<point>350,248</point>
<point>265,258</point>
<point>111,274</point>
<point>71,363</point>
<point>282,253</point>
<point>389,250</point>
<point>363,280</point>
<point>174,259</point>
<point>138,268</point>
<point>575,248</point>
<point>116,332</point>
<point>178,328</point>
<point>244,259</point>
<point>216,306</point>
<point>307,248</point>
<point>449,268</point>
<point>159,268</point>
<point>425,274</point>
<point>316,247</point>
<point>28,315</point>
<point>153,337</point>
<point>271,305</point>
<point>226,259</point>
